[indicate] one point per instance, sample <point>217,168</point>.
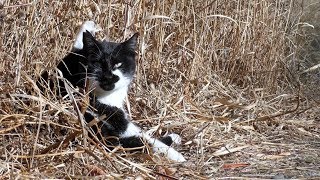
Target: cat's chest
<point>111,98</point>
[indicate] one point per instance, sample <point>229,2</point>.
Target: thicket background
<point>233,78</point>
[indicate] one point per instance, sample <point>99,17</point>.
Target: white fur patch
<point>118,65</point>
<point>171,153</point>
<point>116,96</point>
<point>132,130</point>
<point>175,138</point>
<point>86,26</point>
<point>160,147</point>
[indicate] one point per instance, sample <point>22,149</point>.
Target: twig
<point>57,144</point>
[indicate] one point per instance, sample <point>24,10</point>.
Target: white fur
<point>157,146</point>
<point>175,138</point>
<point>117,65</point>
<point>132,130</point>
<point>86,26</point>
<point>116,96</point>
<point>171,153</point>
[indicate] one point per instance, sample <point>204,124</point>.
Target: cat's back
<point>73,68</point>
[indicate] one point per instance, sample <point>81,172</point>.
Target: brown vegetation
<point>221,73</point>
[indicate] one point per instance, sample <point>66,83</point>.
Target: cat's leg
<point>116,123</point>
<point>160,147</point>
<point>86,26</point>
<point>171,139</point>
<point>133,136</point>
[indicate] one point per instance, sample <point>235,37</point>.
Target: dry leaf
<point>95,170</point>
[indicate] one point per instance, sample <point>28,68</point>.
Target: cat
<point>108,68</point>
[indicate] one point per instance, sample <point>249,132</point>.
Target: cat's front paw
<point>176,139</point>
<point>175,155</point>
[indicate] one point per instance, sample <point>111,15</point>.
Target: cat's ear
<point>90,44</point>
<point>131,43</point>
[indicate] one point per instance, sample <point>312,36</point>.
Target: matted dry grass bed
<point>217,72</point>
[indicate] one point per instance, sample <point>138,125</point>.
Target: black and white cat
<point>109,68</point>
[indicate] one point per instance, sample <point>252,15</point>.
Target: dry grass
<point>217,72</point>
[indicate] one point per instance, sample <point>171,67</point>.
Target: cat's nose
<point>111,77</point>
<point>114,78</point>
<point>107,74</point>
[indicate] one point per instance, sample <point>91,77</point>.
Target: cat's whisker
<point>86,78</point>
<point>86,73</point>
<point>77,54</point>
<point>97,54</point>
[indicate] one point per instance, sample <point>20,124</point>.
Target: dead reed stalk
<point>208,70</point>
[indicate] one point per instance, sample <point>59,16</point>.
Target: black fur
<point>167,140</point>
<point>114,123</point>
<point>96,61</point>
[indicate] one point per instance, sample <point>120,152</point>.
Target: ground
<point>238,80</point>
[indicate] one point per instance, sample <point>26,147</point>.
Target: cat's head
<point>111,65</point>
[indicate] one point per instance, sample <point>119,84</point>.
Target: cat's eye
<point>117,65</point>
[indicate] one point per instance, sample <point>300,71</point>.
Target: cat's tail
<point>86,26</point>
